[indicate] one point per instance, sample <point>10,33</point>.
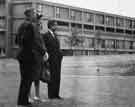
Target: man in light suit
<point>55,58</point>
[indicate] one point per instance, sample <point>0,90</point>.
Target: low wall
<point>85,65</point>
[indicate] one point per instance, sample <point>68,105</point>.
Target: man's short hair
<point>28,11</point>
<point>51,23</point>
<point>39,16</point>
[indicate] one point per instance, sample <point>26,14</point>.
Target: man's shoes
<point>57,97</point>
<point>60,98</point>
<point>25,105</point>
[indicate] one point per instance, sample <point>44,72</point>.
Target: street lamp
<point>96,46</point>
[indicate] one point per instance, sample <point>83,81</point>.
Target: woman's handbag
<point>45,73</point>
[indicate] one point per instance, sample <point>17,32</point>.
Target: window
<point>89,17</point>
<point>106,43</point>
<point>99,28</point>
<point>48,11</point>
<point>73,15</point>
<point>117,44</point>
<point>76,26</point>
<point>121,42</point>
<point>64,13</point>
<point>109,20</point>
<point>133,24</point>
<point>127,44</point>
<point>128,32</point>
<point>128,24</point>
<point>2,5</point>
<point>88,27</point>
<point>18,10</point>
<point>110,44</point>
<point>119,30</point>
<point>102,43</point>
<point>108,29</point>
<point>99,19</point>
<point>2,2</point>
<point>62,26</point>
<point>2,22</point>
<point>60,23</point>
<point>2,40</point>
<point>119,22</point>
<point>76,15</point>
<point>86,42</point>
<point>64,44</point>
<point>131,44</point>
<point>58,12</point>
<point>91,43</point>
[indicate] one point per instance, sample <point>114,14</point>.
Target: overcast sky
<point>121,7</point>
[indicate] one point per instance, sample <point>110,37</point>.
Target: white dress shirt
<point>51,32</point>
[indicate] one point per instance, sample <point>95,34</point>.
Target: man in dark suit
<point>55,58</point>
<point>30,56</point>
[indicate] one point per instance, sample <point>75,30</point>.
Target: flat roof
<point>72,7</point>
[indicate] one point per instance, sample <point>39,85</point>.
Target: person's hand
<point>46,56</point>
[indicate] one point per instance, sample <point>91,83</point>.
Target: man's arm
<point>39,44</point>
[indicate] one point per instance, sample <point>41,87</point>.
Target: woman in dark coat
<point>39,58</point>
<point>30,56</point>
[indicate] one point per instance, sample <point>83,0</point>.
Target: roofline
<point>75,8</point>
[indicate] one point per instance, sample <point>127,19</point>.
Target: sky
<point>120,7</point>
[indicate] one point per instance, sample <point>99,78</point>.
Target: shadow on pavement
<point>68,102</point>
<point>127,74</point>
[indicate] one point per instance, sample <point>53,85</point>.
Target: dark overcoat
<point>31,50</point>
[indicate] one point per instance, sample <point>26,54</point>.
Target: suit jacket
<point>52,44</point>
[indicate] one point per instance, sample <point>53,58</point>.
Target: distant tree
<point>97,42</point>
<point>74,40</point>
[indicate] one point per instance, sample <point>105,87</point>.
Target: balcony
<point>62,28</point>
<point>110,29</point>
<point>2,30</point>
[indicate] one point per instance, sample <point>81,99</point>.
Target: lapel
<point>53,37</point>
<point>51,33</point>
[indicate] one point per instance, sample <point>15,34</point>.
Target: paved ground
<point>95,81</point>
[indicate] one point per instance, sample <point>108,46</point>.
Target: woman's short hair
<point>28,11</point>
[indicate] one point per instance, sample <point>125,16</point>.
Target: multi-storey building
<point>99,32</point>
<point>4,27</point>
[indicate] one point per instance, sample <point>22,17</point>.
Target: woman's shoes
<point>37,100</point>
<point>31,100</point>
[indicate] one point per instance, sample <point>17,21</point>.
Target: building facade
<point>97,32</point>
